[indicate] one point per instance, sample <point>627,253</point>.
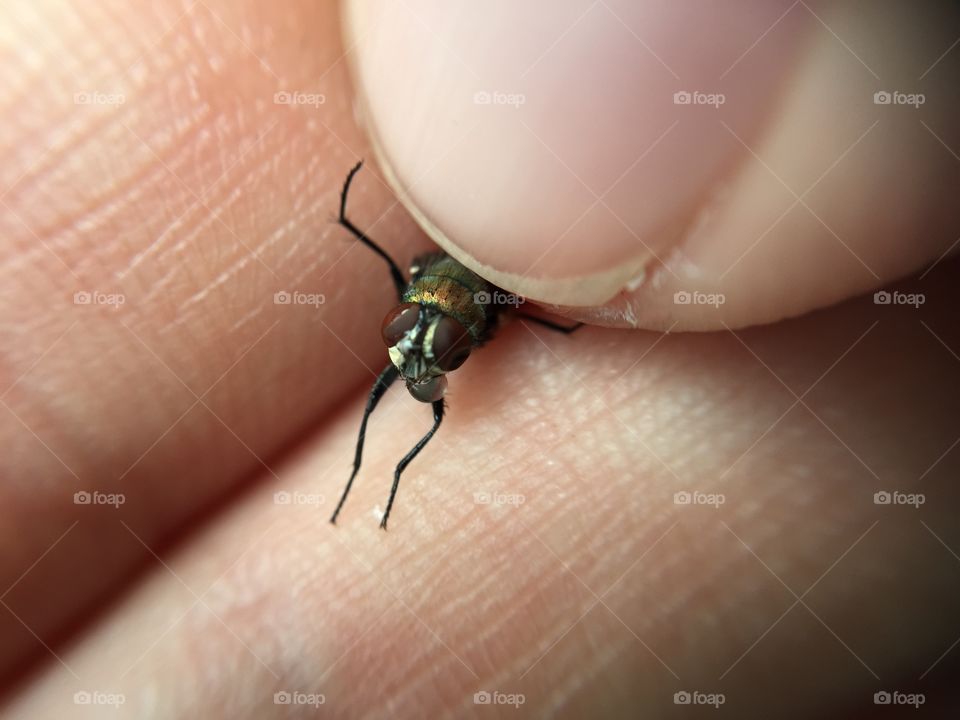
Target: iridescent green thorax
<point>440,282</point>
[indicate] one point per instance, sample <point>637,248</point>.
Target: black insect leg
<point>437,418</point>
<point>565,329</point>
<point>395,273</point>
<point>384,381</point>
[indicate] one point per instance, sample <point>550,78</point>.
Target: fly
<point>445,312</point>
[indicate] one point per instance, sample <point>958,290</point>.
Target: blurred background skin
<point>178,165</point>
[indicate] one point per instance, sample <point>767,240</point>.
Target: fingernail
<point>561,148</point>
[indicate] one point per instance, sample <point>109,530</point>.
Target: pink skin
<point>200,198</point>
<point>796,192</point>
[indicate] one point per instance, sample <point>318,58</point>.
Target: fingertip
<point>548,151</point>
<point>529,159</point>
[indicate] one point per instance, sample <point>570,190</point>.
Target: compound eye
<point>451,344</point>
<point>399,322</point>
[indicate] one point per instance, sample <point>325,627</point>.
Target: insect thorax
<point>442,283</point>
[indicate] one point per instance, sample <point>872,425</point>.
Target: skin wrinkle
<point>200,201</point>
<point>243,260</point>
<point>333,599</point>
<point>163,373</point>
<point>505,675</point>
<point>112,205</point>
<point>606,657</point>
<point>234,269</point>
<point>183,147</point>
<point>52,159</point>
<point>39,79</point>
<point>421,683</point>
<point>245,320</point>
<point>158,285</point>
<point>51,155</point>
<point>212,213</point>
<point>109,209</point>
<point>79,263</point>
<point>535,582</point>
<point>269,242</point>
<point>196,206</point>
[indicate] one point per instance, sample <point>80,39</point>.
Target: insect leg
<point>395,273</point>
<point>565,329</point>
<point>384,381</point>
<point>437,418</point>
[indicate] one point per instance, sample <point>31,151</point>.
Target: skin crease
<point>164,198</point>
